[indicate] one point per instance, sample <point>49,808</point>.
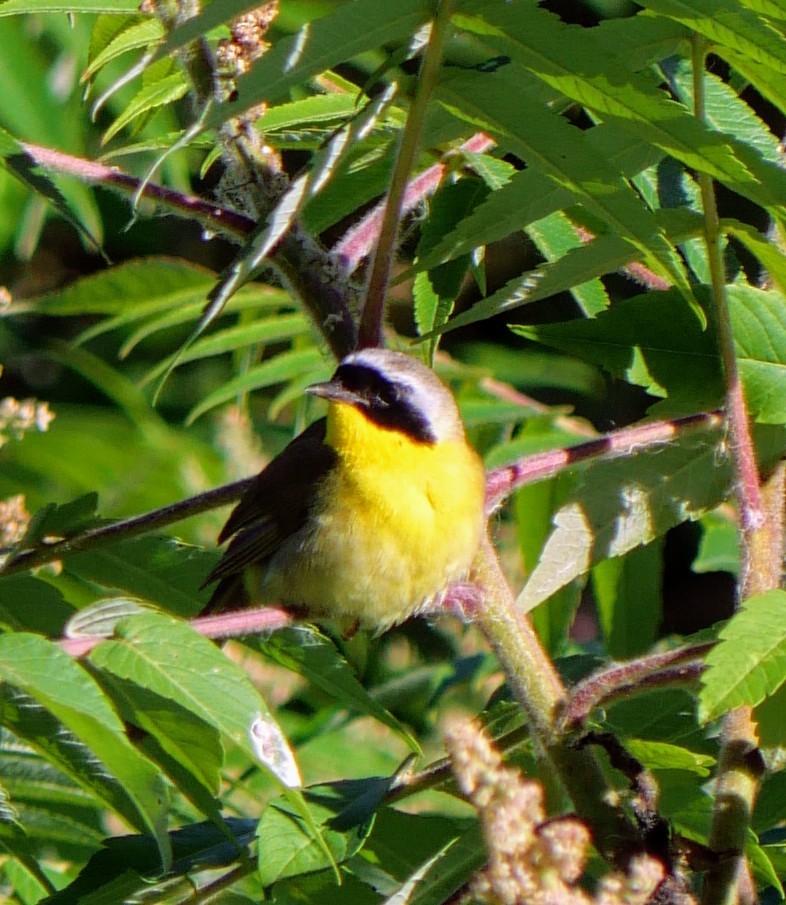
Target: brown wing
<point>276,505</point>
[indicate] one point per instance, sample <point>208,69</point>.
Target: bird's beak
<point>334,391</point>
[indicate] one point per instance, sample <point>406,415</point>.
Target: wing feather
<point>276,505</point>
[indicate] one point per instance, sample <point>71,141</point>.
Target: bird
<point>370,514</point>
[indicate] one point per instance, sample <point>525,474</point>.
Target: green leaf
<point>287,848</point>
<point>32,605</point>
<point>554,237</point>
<point>406,845</point>
<point>749,662</point>
<point>19,7</point>
<point>495,103</point>
<point>135,35</point>
<point>529,197</point>
<point>769,722</point>
<point>628,597</point>
<point>121,871</point>
<point>158,93</point>
<point>719,548</point>
<point>436,290</point>
<point>651,340</point>
<point>147,286</point>
<point>61,520</point>
<point>264,299</point>
<point>268,330</point>
<point>727,22</point>
<point>759,325</point>
<point>155,568</point>
<point>307,652</point>
<point>663,756</point>
<point>280,368</point>
<point>187,748</point>
<point>573,60</point>
<point>43,671</point>
<point>625,503</point>
<point>29,172</point>
<point>723,109</point>
<point>173,661</point>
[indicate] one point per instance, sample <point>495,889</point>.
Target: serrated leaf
<point>727,22</point>
<point>628,502</point>
<point>175,662</point>
<point>436,290</point>
<point>53,679</point>
<point>150,97</point>
<point>251,297</point>
<point>134,36</point>
<point>723,109</point>
<point>145,285</point>
<point>749,662</point>
<point>529,197</point>
<point>28,171</point>
<point>496,104</point>
<point>61,520</point>
<point>554,237</point>
<point>602,255</point>
<point>309,653</point>
<point>759,326</point>
<point>574,60</point>
<point>268,330</point>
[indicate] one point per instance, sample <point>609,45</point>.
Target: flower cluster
<point>14,519</point>
<point>17,417</point>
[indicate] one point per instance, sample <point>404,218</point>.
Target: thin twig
<point>501,482</point>
<point>358,241</point>
<point>676,667</point>
<point>125,528</point>
<point>370,331</point>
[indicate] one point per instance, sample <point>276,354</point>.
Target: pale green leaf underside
<point>624,503</point>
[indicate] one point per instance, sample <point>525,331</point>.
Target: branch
<point>501,482</point>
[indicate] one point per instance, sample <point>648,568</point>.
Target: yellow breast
<point>395,523</point>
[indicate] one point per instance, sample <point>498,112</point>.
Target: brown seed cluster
<point>532,860</point>
<point>237,54</point>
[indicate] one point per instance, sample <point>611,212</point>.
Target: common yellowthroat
<point>367,515</point>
